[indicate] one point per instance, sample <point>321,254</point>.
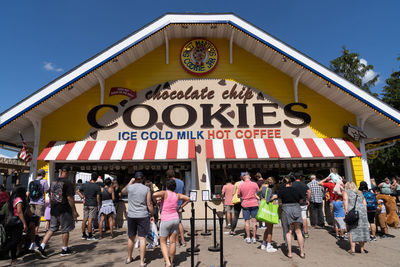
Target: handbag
<point>235,199</point>
<point>268,211</point>
<point>352,216</point>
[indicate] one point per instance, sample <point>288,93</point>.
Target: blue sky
<point>41,40</point>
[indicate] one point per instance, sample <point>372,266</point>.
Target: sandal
<point>128,261</point>
<point>289,256</point>
<point>304,256</point>
<point>351,252</point>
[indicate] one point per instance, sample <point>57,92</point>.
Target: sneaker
<point>231,233</point>
<point>345,238</point>
<point>33,247</point>
<point>247,240</point>
<point>84,237</point>
<point>91,237</point>
<point>271,249</point>
<point>338,237</point>
<point>306,235</point>
<point>67,252</point>
<point>373,238</point>
<point>263,245</point>
<point>254,240</point>
<point>40,253</point>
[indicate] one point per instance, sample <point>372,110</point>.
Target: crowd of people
<point>329,203</point>
<point>21,212</point>
<point>354,213</point>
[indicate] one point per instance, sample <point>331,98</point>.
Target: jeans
<point>236,209</point>
<point>317,216</point>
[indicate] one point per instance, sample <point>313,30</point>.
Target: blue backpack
<point>372,203</point>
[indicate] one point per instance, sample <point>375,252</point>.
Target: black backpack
<point>35,190</point>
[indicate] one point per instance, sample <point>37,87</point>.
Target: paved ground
<point>322,249</point>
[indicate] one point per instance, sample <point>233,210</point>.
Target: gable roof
<point>378,115</point>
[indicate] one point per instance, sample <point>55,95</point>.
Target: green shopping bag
<point>268,212</point>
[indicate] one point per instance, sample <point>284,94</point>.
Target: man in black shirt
<point>63,212</point>
<point>90,193</point>
<point>305,192</point>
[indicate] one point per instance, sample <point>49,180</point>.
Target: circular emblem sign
<point>199,56</point>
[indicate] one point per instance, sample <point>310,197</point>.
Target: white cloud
<point>49,66</point>
<point>369,75</point>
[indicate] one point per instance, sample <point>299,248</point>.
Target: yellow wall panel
<point>69,122</point>
<point>358,174</point>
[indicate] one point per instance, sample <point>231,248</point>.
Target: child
<point>338,213</point>
<point>47,216</point>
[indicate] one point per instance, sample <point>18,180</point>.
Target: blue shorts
<point>250,212</point>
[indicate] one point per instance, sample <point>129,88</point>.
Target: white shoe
<point>254,240</point>
<point>247,240</point>
<point>271,249</point>
<point>33,247</point>
<point>263,246</point>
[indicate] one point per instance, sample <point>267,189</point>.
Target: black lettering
<point>242,111</point>
<point>296,114</point>
<point>91,117</point>
<point>207,116</point>
<point>260,114</point>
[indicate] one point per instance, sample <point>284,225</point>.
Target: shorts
<point>371,216</point>
<point>250,212</point>
<point>180,216</point>
<point>138,226</point>
<point>89,212</point>
<point>66,220</point>
<point>340,224</point>
<point>228,208</point>
<point>304,211</point>
<point>169,227</point>
<point>37,209</point>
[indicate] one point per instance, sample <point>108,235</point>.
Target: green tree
<point>391,91</point>
<point>388,161</point>
<point>350,66</point>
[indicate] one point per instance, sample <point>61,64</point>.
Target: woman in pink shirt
<point>169,219</point>
<point>248,193</point>
<point>227,192</point>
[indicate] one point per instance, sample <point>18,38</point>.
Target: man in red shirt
<point>329,185</point>
<point>248,193</point>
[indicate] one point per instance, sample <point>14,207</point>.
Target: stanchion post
<point>221,238</point>
<point>206,232</point>
<point>192,237</point>
<point>215,247</point>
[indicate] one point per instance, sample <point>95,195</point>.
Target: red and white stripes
<point>118,150</point>
<point>280,148</point>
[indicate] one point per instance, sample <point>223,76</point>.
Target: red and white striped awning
<point>280,148</point>
<point>118,150</point>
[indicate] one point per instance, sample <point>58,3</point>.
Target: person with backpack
<point>63,212</point>
<point>15,222</point>
<point>372,205</point>
<point>36,193</point>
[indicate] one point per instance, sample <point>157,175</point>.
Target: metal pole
<point>206,232</point>
<point>192,237</point>
<point>221,239</point>
<point>193,247</point>
<point>215,247</point>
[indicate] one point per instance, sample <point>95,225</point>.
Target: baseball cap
<point>244,173</point>
<point>41,172</point>
<point>139,175</point>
